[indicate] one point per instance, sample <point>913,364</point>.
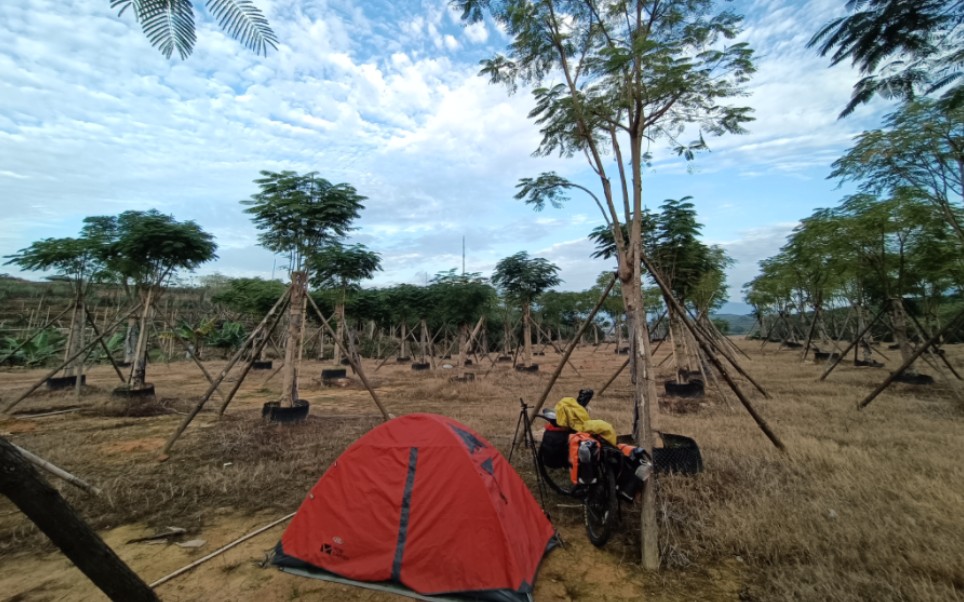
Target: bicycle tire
<point>557,479</point>
<point>601,507</point>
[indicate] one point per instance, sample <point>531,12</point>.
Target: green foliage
<point>38,351</point>
<point>343,267</point>
<point>460,299</point>
<point>902,47</point>
<point>169,24</point>
<point>921,146</point>
<point>406,303</point>
<point>867,249</point>
<point>522,278</point>
<point>147,248</point>
<point>115,345</point>
<point>565,310</point>
<point>299,214</point>
<point>251,296</point>
<point>623,74</point>
<point>722,325</point>
<point>227,336</point>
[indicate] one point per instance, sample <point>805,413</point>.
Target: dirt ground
<point>109,447</point>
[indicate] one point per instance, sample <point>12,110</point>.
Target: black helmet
<point>584,397</point>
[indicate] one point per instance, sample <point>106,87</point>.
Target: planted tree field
<point>863,505</point>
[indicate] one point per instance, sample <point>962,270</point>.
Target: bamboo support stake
<point>103,345</point>
<point>221,376</point>
<point>910,360</point>
<point>191,352</point>
<point>853,344</point>
<point>920,333</point>
<point>614,376</point>
<point>220,551</point>
<point>553,345</point>
<point>568,352</point>
<point>353,360</point>
<point>256,353</point>
<point>57,471</point>
<point>709,350</point>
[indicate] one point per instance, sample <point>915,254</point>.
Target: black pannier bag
<point>554,449</point>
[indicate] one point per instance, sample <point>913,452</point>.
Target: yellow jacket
<point>570,414</point>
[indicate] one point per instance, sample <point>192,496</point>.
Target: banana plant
<point>35,352</point>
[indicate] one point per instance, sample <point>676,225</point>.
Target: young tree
<point>145,249</point>
<point>522,279</point>
<point>169,24</point>
<point>460,300</point>
<point>298,214</point>
<point>629,73</point>
<point>79,261</point>
<point>343,268</point>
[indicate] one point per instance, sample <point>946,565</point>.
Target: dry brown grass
<point>864,505</point>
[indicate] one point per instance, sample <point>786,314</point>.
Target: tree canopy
<point>299,214</point>
<point>902,48</point>
<point>523,278</point>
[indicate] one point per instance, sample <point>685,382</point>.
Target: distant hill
<point>738,324</point>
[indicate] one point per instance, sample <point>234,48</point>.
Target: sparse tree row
<point>893,248</point>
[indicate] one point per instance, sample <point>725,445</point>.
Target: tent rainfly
<point>424,506</point>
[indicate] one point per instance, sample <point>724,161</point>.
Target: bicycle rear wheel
<point>601,507</point>
<point>554,461</point>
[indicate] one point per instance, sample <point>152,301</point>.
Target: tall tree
<point>903,48</point>
<point>169,24</point>
<point>298,214</point>
<point>629,73</point>
<point>522,279</point>
<point>921,146</point>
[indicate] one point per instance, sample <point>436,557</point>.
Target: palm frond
<point>167,24</point>
<point>244,22</point>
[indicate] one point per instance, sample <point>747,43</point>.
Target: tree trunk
<point>139,375</point>
<point>677,336</point>
<point>75,342</point>
<point>526,334</point>
<point>54,516</point>
<point>296,319</point>
<point>130,340</point>
<point>403,346</point>
<point>423,341</point>
<point>899,322</point>
<point>339,332</point>
<point>644,398</point>
<point>463,344</point>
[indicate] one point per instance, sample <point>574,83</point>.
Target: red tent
<point>424,502</point>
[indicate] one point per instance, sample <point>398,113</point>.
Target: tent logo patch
<point>333,550</point>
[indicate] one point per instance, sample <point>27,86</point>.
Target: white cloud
<point>477,33</point>
<point>383,95</point>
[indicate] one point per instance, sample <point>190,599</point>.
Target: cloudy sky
<point>383,95</point>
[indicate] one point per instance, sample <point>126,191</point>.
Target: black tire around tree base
<point>601,507</point>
